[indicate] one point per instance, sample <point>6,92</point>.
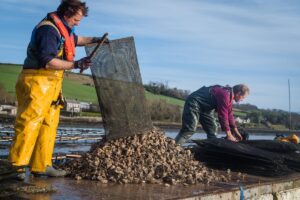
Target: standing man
<point>51,50</point>
<point>200,107</point>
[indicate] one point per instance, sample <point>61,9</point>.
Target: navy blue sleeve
<point>47,40</point>
<point>75,39</point>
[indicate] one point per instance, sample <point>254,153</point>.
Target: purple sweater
<point>224,107</point>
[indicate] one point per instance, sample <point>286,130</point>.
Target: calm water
<point>86,136</point>
<point>70,189</point>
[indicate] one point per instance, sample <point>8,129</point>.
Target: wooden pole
<point>290,115</point>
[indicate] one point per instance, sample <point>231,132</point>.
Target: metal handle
<point>98,45</point>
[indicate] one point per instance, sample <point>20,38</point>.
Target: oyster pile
<point>145,158</point>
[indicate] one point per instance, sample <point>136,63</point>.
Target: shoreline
<point>96,122</point>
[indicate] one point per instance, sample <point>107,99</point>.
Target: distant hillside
<point>162,108</point>
<point>245,107</point>
<point>75,86</point>
<point>81,87</point>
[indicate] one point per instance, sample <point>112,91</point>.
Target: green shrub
<point>160,110</point>
<point>5,97</point>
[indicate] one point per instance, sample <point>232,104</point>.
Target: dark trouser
<point>191,116</point>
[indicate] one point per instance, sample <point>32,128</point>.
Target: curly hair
<point>69,8</point>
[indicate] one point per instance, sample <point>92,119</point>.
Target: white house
<point>85,106</point>
<point>242,121</point>
<point>8,109</point>
<point>72,106</point>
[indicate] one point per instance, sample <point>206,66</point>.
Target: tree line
<point>256,115</point>
<point>161,110</point>
<point>164,89</point>
<point>275,116</point>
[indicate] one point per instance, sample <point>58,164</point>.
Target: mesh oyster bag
<point>119,88</point>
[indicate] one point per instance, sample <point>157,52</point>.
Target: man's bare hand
<point>231,138</point>
<point>240,138</point>
<point>237,134</point>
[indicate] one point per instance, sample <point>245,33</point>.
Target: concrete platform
<point>253,188</point>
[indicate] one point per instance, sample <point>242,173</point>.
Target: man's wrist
<point>75,65</point>
<point>96,39</point>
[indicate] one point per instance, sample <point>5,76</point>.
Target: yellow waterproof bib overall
<point>37,119</point>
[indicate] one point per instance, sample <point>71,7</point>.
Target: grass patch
<point>169,100</point>
<point>90,114</point>
<point>75,90</point>
<point>279,127</point>
<point>8,77</point>
<point>239,113</point>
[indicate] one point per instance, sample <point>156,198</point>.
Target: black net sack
<point>119,88</point>
<point>224,154</point>
<point>273,145</point>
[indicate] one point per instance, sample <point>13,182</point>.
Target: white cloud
<point>255,42</point>
<point>190,43</point>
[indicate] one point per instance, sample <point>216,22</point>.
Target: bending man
<point>200,107</point>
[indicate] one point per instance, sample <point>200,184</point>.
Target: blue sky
<point>187,43</point>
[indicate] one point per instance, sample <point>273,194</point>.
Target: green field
<point>75,89</point>
<point>8,77</point>
<point>72,89</point>
<point>170,100</point>
<point>240,113</point>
